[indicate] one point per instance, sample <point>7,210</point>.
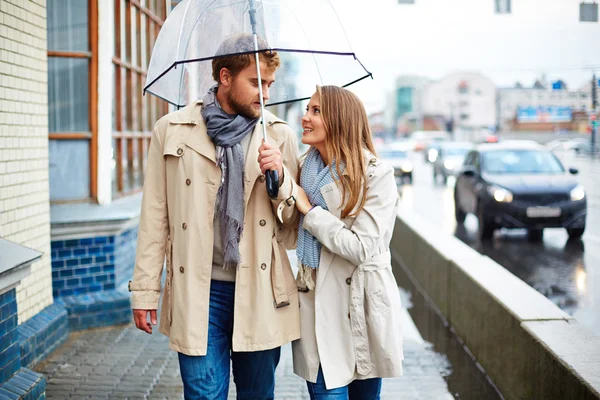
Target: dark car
<point>519,185</point>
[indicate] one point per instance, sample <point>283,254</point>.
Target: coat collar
<point>198,140</point>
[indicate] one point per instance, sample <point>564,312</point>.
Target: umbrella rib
<point>340,22</point>
<point>307,98</point>
<point>332,53</point>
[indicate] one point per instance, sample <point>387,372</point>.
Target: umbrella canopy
<point>307,34</point>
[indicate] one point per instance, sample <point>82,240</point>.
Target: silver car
<point>449,160</point>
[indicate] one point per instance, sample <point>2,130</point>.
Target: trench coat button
<point>348,280</point>
<point>261,178</point>
<point>262,222</point>
<point>179,151</point>
<point>348,315</point>
<point>263,266</point>
<point>188,182</point>
<point>181,269</point>
<point>184,226</point>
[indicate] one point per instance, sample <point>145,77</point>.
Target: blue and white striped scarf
<point>315,174</point>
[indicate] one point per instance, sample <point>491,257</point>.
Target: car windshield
<point>521,162</point>
<point>392,154</point>
<point>457,152</point>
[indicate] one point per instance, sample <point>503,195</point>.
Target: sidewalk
<point>125,363</point>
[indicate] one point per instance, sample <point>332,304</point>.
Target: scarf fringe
<point>229,265</point>
<point>304,279</point>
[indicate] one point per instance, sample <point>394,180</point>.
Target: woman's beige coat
<point>350,323</point>
<point>180,190</point>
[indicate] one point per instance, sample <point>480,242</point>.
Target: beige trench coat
<point>176,221</point>
<point>351,322</point>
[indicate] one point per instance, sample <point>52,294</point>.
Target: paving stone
<point>123,363</point>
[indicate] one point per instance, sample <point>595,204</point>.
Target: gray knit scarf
<point>227,131</point>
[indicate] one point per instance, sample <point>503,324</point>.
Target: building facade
<point>543,108</point>
<point>25,265</point>
<point>466,99</point>
<point>407,104</point>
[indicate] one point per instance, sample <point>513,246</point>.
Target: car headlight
<point>577,193</point>
<point>499,194</point>
<point>432,155</point>
<point>407,167</point>
<point>448,164</point>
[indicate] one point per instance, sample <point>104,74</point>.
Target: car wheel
<point>575,233</point>
<point>486,226</point>
<point>535,234</point>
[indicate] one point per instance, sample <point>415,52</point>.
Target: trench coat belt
<point>358,321</point>
<point>280,294</point>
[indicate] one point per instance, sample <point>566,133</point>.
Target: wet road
<point>565,271</point>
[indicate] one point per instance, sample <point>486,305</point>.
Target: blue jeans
<point>367,389</point>
<point>207,377</point>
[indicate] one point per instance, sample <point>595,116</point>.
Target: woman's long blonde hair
<point>347,135</point>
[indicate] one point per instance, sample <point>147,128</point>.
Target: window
<point>72,72</point>
<point>137,24</point>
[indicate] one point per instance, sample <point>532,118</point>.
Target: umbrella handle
<point>272,183</point>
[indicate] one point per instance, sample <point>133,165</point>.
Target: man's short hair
<point>235,63</point>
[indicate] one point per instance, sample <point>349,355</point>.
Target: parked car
<point>398,156</point>
<point>519,185</point>
<point>450,159</point>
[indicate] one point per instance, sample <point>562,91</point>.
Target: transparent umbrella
<point>307,34</point>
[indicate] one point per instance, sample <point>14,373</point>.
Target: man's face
<point>243,96</point>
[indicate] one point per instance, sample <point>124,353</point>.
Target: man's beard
<point>246,110</point>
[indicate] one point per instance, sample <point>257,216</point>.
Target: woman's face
<point>313,130</point>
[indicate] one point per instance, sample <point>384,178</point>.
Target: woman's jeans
<point>367,389</point>
<point>207,377</point>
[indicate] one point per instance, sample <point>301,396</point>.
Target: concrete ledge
<point>25,384</point>
<point>507,325</point>
<point>42,334</point>
<point>94,310</point>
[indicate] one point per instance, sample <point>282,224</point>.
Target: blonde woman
<point>349,300</point>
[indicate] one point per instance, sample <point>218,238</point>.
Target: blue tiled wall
<point>24,385</point>
<point>125,246</point>
<point>97,309</point>
<point>10,355</point>
<point>42,334</point>
<point>92,265</point>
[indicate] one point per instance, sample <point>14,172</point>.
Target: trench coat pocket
<point>167,302</point>
<point>280,293</point>
<point>375,288</point>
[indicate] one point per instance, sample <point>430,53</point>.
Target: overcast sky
<point>436,37</point>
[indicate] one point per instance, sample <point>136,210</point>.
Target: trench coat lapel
<point>197,139</point>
